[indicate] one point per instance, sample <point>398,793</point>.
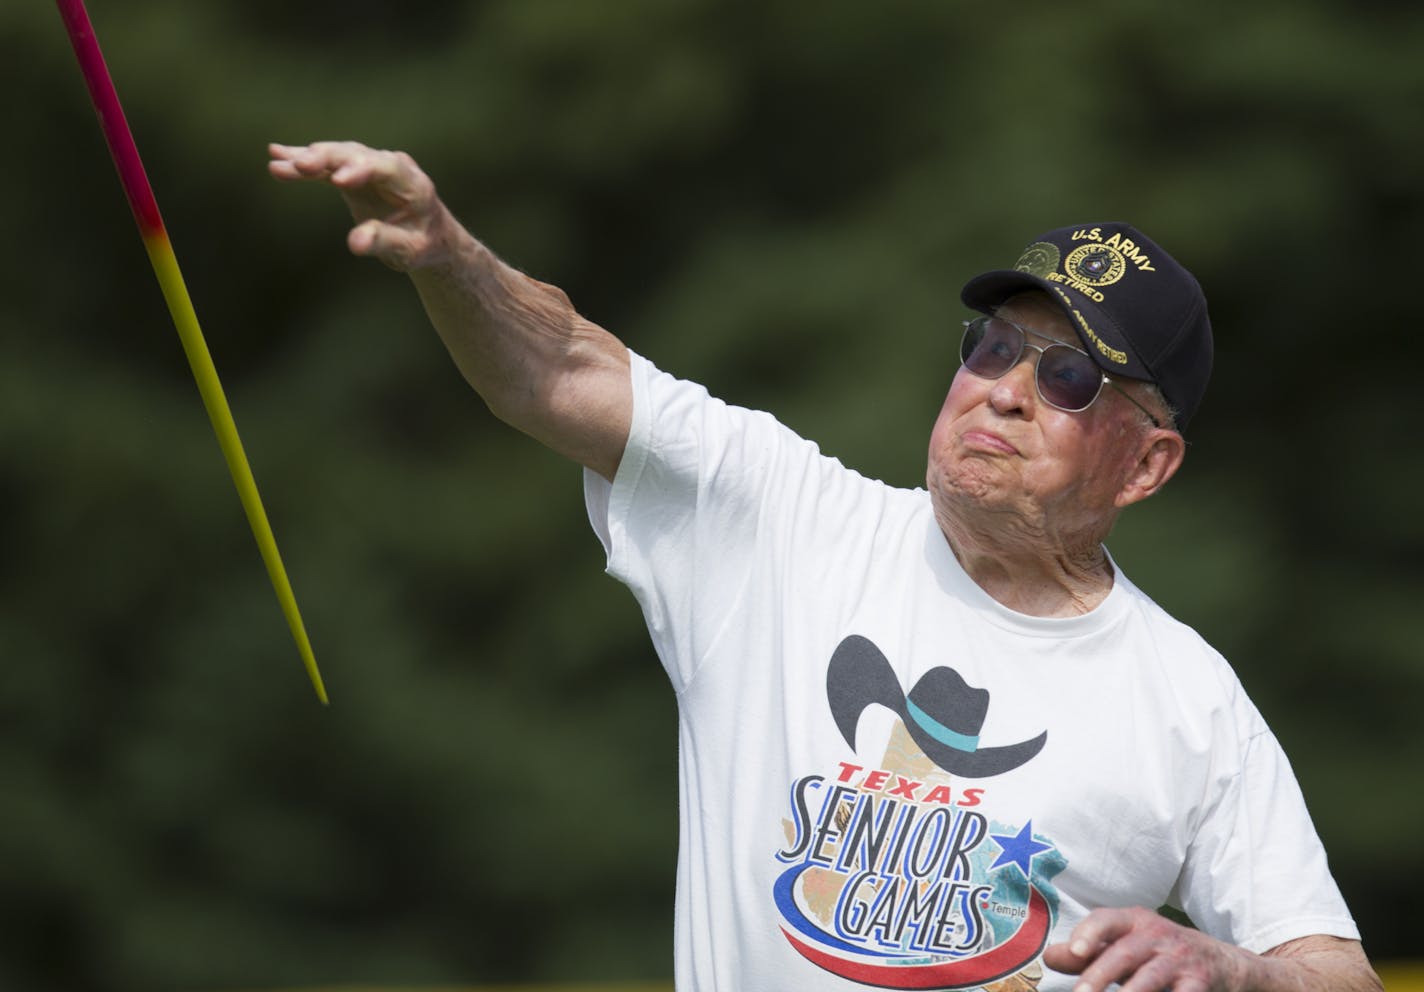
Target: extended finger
<point>1161,975</point>
<point>1094,933</point>
<point>281,164</point>
<point>1062,957</point>
<point>315,161</point>
<point>1122,960</point>
<point>320,159</point>
<point>353,166</point>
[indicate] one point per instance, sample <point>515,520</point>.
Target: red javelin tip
<point>111,117</point>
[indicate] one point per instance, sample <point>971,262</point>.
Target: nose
<point>1014,392</point>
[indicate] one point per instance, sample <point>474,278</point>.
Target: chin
<point>972,485</point>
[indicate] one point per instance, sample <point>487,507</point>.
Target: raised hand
<point>519,342</point>
<point>399,218</point>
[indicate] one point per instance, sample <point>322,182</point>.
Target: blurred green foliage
<point>779,199</point>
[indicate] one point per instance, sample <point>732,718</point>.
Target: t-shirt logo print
<point>942,712</point>
<point>895,878</point>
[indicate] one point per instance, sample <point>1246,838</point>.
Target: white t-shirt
<point>890,780</point>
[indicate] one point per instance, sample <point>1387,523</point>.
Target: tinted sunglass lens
<point>990,347</point>
<point>1068,379</point>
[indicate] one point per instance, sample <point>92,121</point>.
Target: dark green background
<point>779,199</point>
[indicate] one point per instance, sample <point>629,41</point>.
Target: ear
<point>1158,457</point>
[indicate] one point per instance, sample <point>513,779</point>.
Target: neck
<point>1028,569</point>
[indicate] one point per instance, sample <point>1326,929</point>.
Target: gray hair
<point>1169,412</point>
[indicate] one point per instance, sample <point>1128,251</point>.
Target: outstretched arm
<point>539,366</point>
<point>1147,953</point>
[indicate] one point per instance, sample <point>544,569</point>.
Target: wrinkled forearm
<point>537,363</point>
<point>1313,964</point>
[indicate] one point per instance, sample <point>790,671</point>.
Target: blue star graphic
<point>1020,849</point>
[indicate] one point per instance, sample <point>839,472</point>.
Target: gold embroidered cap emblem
<point>1095,265</point>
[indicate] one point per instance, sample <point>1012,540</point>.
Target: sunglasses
<point>1067,379</point>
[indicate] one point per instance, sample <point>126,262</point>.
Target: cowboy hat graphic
<point>942,713</point>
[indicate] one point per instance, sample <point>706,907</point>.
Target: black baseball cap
<point>1138,312</point>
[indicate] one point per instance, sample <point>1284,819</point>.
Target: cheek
<point>956,401</point>
<point>1096,472</point>
<point>965,392</point>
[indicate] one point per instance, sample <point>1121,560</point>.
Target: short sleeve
<point>681,519</point>
<point>1256,873</point>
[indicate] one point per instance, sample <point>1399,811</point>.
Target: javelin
<point>170,280</point>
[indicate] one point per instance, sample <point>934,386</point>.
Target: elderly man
<point>929,739</point>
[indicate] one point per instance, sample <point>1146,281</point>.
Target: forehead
<point>1037,311</point>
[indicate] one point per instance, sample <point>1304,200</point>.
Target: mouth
<point>988,442</point>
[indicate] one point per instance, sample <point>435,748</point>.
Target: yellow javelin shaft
<point>180,305</point>
<point>165,265</point>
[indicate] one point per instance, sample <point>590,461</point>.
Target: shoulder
<point>679,424</point>
<point>1197,675</point>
